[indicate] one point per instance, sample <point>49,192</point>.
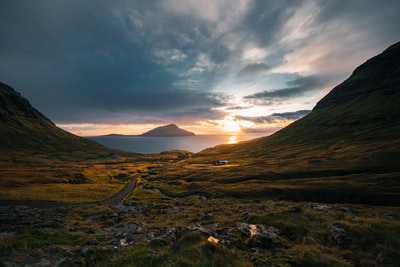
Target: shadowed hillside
<point>26,134</point>
<point>346,150</point>
<point>355,126</point>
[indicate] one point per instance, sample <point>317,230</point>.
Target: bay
<point>145,145</point>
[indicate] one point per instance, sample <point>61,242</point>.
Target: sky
<point>210,66</point>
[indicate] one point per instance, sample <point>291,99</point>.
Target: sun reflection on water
<point>233,139</point>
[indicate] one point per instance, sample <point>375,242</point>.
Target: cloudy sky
<point>99,67</point>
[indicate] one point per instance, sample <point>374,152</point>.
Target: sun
<point>230,125</point>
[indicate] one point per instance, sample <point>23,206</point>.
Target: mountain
<point>169,130</point>
<point>26,134</point>
<point>354,127</point>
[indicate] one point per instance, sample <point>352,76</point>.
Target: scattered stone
<point>213,240</point>
<point>257,229</point>
<point>197,228</point>
<point>123,243</point>
<point>320,206</point>
<point>125,207</point>
<point>340,236</point>
<point>125,228</point>
<point>261,236</point>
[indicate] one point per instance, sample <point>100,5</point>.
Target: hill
<point>169,130</point>
<point>355,126</point>
<point>346,150</point>
<point>26,134</point>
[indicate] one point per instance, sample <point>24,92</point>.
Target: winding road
<point>119,197</point>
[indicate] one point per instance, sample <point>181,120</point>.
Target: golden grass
<point>68,182</point>
<point>70,193</point>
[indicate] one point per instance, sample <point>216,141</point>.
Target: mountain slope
<point>169,130</point>
<point>356,126</point>
<point>26,134</point>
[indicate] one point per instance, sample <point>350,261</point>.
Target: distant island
<point>169,130</point>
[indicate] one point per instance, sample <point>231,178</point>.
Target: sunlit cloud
<point>254,53</point>
<point>124,66</point>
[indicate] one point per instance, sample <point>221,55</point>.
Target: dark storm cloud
<point>254,69</point>
<point>74,56</point>
<point>295,88</point>
<point>380,18</point>
<point>265,19</point>
<point>292,116</point>
<point>85,61</point>
<point>160,104</point>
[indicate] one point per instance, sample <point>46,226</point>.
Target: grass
<point>268,200</point>
<point>253,182</point>
<point>192,251</point>
<point>62,192</point>
<point>179,191</point>
<point>88,181</point>
<point>305,237</point>
<point>33,239</point>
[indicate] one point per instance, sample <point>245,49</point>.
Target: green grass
<point>87,181</point>
<point>193,251</point>
<point>33,239</point>
<point>68,193</point>
<point>251,181</point>
<point>304,238</point>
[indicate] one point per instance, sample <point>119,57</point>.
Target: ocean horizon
<point>146,145</point>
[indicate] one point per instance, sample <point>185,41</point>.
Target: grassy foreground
<point>73,182</point>
<point>173,197</point>
<point>304,237</point>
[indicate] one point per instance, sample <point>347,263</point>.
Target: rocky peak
<point>13,105</point>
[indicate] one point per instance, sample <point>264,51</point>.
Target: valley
<point>324,191</point>
<point>176,208</point>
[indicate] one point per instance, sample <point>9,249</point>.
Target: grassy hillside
<point>27,135</point>
<point>346,150</point>
<point>356,126</point>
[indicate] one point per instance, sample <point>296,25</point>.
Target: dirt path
<point>120,196</point>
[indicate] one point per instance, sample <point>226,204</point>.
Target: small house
<point>221,162</point>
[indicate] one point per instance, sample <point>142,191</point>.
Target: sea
<point>145,145</point>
